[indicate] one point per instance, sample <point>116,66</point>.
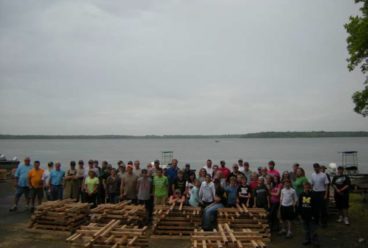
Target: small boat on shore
<point>349,160</point>
<point>7,166</point>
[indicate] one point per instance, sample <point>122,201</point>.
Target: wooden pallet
<point>240,218</point>
<point>64,215</point>
<point>113,234</point>
<point>179,221</point>
<point>126,212</point>
<point>225,237</point>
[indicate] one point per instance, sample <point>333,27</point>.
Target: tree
<point>357,28</point>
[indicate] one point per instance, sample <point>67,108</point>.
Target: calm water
<point>195,151</point>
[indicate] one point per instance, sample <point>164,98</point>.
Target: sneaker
<point>282,232</point>
<point>346,221</point>
<point>13,209</point>
<point>340,219</point>
<point>289,235</point>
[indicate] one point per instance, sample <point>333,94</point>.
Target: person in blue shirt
<point>56,182</point>
<point>172,174</point>
<point>21,176</point>
<point>232,192</point>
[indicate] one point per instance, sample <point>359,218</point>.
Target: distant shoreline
<point>312,134</point>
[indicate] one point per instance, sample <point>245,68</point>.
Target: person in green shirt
<point>90,187</point>
<point>299,181</point>
<point>160,187</point>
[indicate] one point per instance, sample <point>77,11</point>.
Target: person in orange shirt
<point>36,184</point>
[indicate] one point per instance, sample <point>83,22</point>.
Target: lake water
<point>258,152</point>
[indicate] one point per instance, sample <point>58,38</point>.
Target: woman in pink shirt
<point>275,193</point>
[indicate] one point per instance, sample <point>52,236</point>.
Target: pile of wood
<point>126,212</point>
<point>224,236</point>
<point>241,217</point>
<point>175,221</point>
<point>65,215</point>
<point>112,234</point>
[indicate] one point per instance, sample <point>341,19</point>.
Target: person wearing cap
<point>271,169</point>
<point>320,188</point>
<point>128,189</point>
<point>341,184</point>
<point>91,166</point>
<point>46,180</point>
<point>70,182</point>
<point>224,170</point>
<point>121,168</point>
<point>36,184</point>
<point>208,167</point>
<point>21,177</point>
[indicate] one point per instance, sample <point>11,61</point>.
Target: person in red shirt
<point>224,170</point>
<point>271,169</point>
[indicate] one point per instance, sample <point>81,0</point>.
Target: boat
<point>349,160</point>
<point>7,166</point>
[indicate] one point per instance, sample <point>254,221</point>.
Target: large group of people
<point>286,196</point>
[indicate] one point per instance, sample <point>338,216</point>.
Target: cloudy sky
<point>175,67</point>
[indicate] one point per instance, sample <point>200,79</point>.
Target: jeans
<point>320,207</point>
<point>310,227</point>
<point>148,204</point>
<point>209,215</point>
<point>56,192</point>
<point>273,218</point>
<point>113,198</point>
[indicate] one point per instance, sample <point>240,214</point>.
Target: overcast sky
<point>175,67</point>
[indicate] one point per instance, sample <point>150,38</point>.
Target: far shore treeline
<point>312,134</point>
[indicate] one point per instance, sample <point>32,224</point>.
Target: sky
<point>176,67</point>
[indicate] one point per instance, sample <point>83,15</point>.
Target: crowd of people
<point>286,196</point>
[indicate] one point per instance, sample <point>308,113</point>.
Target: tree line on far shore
<point>311,134</point>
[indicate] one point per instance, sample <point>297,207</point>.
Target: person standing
<point>275,193</point>
<point>172,174</point>
<point>207,191</point>
<point>306,210</point>
<point>36,184</point>
<point>128,188</point>
<point>21,177</point>
<point>137,168</point>
<point>244,192</point>
<point>300,179</point>
<point>287,210</point>
<point>112,185</point>
<point>160,187</point>
<point>144,189</point>
<point>70,182</point>
<point>81,174</point>
<point>341,184</point>
<point>247,172</point>
<point>261,195</point>
<point>241,165</point>
<point>293,173</point>
<point>224,170</point>
<point>91,187</point>
<point>320,184</point>
<point>208,167</point>
<point>271,169</point>
<point>46,180</point>
<point>56,182</point>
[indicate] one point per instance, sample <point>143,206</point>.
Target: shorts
<point>287,212</point>
<point>342,201</point>
<point>37,192</point>
<point>22,190</point>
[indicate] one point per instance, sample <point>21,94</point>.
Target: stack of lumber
<point>124,211</point>
<point>245,218</point>
<point>175,221</point>
<point>224,236</point>
<point>112,234</point>
<point>64,215</point>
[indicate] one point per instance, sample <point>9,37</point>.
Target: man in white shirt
<point>320,184</point>
<point>208,167</point>
<point>137,168</point>
<point>46,180</point>
<point>241,165</point>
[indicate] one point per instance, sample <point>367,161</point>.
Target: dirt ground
<point>13,231</point>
